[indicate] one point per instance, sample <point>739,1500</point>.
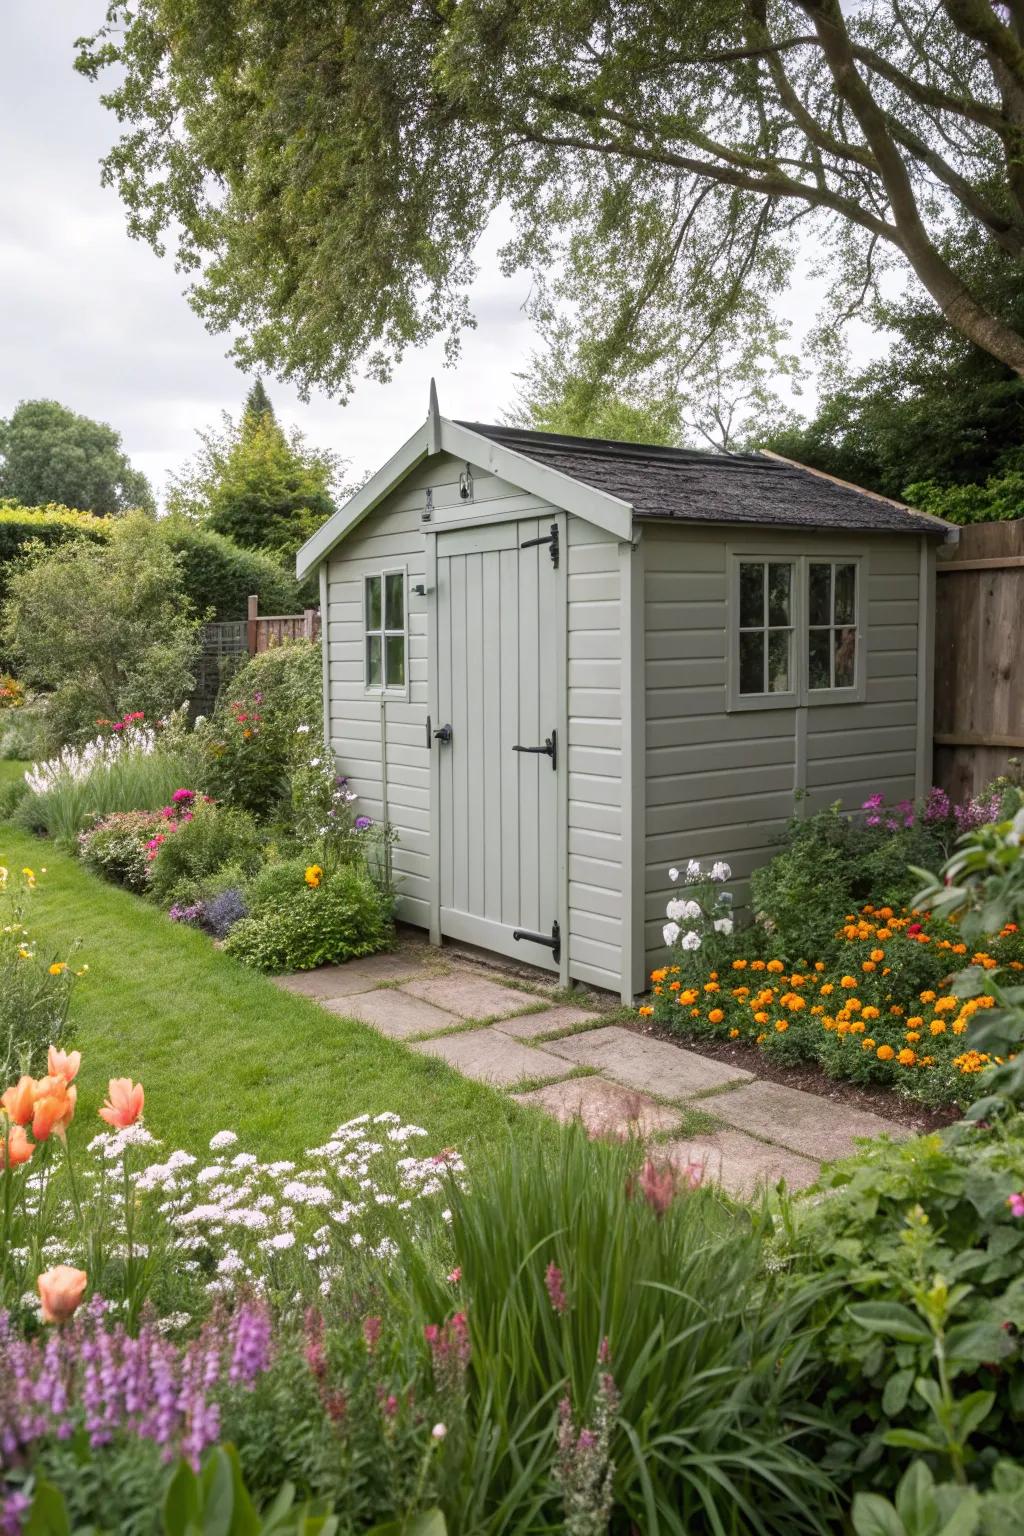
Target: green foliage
<point>921,1330</point>
<point>295,926</point>
<point>258,485</point>
<point>35,982</point>
<point>52,525</point>
<point>50,454</point>
<point>218,576</point>
<point>117,847</point>
<point>1000,499</point>
<point>196,849</point>
<point>831,865</point>
<point>105,628</point>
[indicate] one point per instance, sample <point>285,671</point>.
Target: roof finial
<point>433,421</point>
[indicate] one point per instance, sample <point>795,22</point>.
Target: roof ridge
<point>620,447</point>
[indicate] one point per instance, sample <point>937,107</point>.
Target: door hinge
<point>549,749</point>
<point>551,539</point>
<point>552,941</point>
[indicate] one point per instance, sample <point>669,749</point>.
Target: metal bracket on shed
<point>551,538</point>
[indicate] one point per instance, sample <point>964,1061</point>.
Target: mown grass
<point>218,1047</point>
<point>11,771</point>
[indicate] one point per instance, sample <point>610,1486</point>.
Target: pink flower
<point>1016,1204</point>
<point>553,1282</point>
<point>455,1276</point>
<point>872,803</point>
<point>371,1332</point>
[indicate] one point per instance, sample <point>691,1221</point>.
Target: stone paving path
<point>572,1060</point>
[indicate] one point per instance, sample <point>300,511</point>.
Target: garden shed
<point>558,666</point>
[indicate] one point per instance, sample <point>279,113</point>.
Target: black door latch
<point>549,749</point>
<point>551,539</point>
<point>554,942</point>
<point>443,733</point>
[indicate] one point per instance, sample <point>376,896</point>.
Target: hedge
<point>216,574</point>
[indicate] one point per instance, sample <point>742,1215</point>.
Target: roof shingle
<point>688,485</point>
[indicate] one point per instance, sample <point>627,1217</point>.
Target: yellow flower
<point>58,968</point>
<point>314,874</point>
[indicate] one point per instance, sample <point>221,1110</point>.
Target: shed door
<point>500,632</point>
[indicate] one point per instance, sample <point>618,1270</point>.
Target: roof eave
<point>938,526</point>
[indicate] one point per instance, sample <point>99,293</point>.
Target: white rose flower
<point>673,875</point>
<point>721,871</point>
<point>691,940</point>
<point>693,871</point>
<point>723,925</point>
<point>670,933</point>
<point>678,909</point>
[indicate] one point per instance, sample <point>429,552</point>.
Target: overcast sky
<point>97,321</point>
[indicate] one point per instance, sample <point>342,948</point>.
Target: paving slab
<point>818,1128</point>
<point>354,976</point>
<point>493,1057</point>
<point>606,1109</point>
<point>742,1165</point>
<point>651,1066</point>
<point>470,996</point>
<point>529,1025</point>
<point>392,1012</point>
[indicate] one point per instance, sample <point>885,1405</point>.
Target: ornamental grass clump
<point>35,984</point>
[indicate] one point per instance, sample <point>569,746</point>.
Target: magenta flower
<point>1016,1204</point>
<point>553,1282</point>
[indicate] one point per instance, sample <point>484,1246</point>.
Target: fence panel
<point>223,647</point>
<point>979,657</point>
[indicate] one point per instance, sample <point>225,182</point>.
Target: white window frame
<point>800,694</point>
<point>383,689</point>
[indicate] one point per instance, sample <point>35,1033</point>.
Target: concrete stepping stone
<point>740,1164</point>
<point>606,1109</point>
<point>491,1056</point>
<point>818,1128</point>
<point>651,1066</point>
<point>393,1012</point>
<point>470,996</point>
<point>528,1025</point>
<point>354,976</point>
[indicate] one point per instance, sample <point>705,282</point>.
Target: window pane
<point>373,673</point>
<point>752,662</point>
<point>780,582</point>
<point>846,590</point>
<point>751,596</point>
<point>846,657</point>
<point>778,660</point>
<point>820,595</point>
<point>395,661</point>
<point>818,670</point>
<point>394,601</point>
<point>373,602</point>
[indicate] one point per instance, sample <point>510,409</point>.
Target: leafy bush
<point>922,1248</point>
<point>25,733</point>
<point>197,842</point>
<point>218,576</point>
<point>117,847</point>
<point>35,988</point>
<point>104,628</point>
<point>301,917</point>
<point>49,526</point>
<point>132,766</point>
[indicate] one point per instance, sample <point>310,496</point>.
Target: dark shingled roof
<point>688,485</point>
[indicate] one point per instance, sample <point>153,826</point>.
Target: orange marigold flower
<point>775,965</point>
<point>645,1013</point>
<point>757,965</point>
<point>877,954</point>
<point>927,996</point>
<point>826,988</point>
<point>869,1012</point>
<point>716,1016</point>
<point>947,1004</point>
<point>847,981</point>
<point>913,1036</point>
<point>733,1033</point>
<point>739,965</point>
<point>760,1017</point>
<point>937,1026</point>
<point>867,965</point>
<point>885,1053</point>
<point>761,1039</point>
<point>781,1025</point>
<point>906,1057</point>
<point>867,1044</point>
<point>660,974</point>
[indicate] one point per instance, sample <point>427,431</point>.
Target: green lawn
<point>11,771</point>
<point>219,1047</point>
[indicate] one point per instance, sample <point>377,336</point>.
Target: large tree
<point>326,169</point>
<point>50,454</point>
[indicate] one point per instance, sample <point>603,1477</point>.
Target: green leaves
<point>893,1320</point>
<point>922,1508</point>
<point>214,1502</point>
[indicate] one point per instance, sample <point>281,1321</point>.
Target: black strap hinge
<point>551,538</point>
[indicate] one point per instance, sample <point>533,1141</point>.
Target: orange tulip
<point>61,1290</point>
<point>124,1102</point>
<point>63,1064</point>
<point>54,1108</point>
<point>15,1146</point>
<point>19,1100</point>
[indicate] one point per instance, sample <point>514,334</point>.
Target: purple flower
<point>362,822</point>
<point>872,803</point>
<point>13,1510</point>
<point>249,1337</point>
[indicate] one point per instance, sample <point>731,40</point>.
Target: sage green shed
<point>558,666</point>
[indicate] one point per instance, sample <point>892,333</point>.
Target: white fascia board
<point>319,546</point>
<point>594,506</point>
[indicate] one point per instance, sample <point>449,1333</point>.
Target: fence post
<point>253,611</point>
<point>308,620</point>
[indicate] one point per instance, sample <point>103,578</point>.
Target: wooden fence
<point>979,657</point>
<point>226,645</point>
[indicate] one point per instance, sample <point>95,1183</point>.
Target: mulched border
<point>809,1078</point>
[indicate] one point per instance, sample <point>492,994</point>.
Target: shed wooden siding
<point>597,867</point>
<point>722,785</point>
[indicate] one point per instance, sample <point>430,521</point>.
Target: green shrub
<point>196,845</point>
<point>46,525</point>
<point>25,733</point>
<point>296,926</point>
<point>117,847</point>
<point>923,1256</point>
<point>218,576</point>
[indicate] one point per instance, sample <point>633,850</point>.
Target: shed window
<point>831,624</point>
<point>766,626</point>
<point>384,610</point>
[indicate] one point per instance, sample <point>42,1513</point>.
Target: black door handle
<point>549,749</point>
<point>443,733</point>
